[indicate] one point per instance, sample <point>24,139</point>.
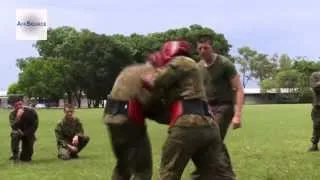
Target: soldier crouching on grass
<point>24,124</point>
<point>70,135</point>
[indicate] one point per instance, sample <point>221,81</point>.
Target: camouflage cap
<point>315,79</point>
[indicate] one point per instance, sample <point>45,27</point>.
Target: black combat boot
<point>314,147</point>
<point>14,157</point>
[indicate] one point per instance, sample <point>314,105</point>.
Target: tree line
<point>74,62</point>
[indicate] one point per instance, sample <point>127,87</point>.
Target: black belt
<point>115,107</point>
<point>195,106</point>
<point>217,102</point>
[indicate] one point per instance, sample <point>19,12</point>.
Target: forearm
<point>239,102</point>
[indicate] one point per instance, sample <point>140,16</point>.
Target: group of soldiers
<point>24,123</point>
<point>197,100</point>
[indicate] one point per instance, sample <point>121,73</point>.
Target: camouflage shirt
<point>217,79</point>
<point>315,85</point>
<point>66,129</point>
<point>181,79</point>
<point>128,84</point>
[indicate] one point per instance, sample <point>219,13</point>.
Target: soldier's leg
<point>15,142</point>
<point>176,153</point>
<point>211,161</point>
<point>83,141</point>
<point>315,115</point>
<point>27,148</point>
<point>63,153</point>
<point>119,143</point>
<point>223,116</point>
<point>142,158</point>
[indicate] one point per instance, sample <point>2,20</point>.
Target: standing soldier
<point>315,113</point>
<point>24,124</point>
<point>223,88</point>
<point>70,135</point>
<point>125,119</point>
<point>192,132</point>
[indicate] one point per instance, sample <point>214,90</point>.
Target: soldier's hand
<point>75,140</point>
<point>72,148</point>
<point>20,132</point>
<point>236,122</point>
<point>19,113</point>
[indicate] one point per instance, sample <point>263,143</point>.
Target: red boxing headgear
<point>171,49</point>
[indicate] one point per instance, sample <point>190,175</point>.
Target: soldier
<point>24,124</point>
<point>223,88</point>
<point>70,135</point>
<point>315,113</point>
<point>192,132</point>
<point>127,108</point>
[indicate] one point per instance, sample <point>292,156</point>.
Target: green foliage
<point>76,61</point>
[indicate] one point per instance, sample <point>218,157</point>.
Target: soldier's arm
<point>175,71</point>
<point>234,77</point>
<point>80,131</point>
<point>12,120</point>
<point>59,135</point>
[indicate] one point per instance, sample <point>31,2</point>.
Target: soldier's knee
<point>64,154</point>
<point>15,135</point>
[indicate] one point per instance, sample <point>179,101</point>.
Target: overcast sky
<point>286,26</point>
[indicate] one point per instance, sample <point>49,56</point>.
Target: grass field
<point>272,145</point>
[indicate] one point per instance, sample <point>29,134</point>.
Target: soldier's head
<point>171,49</point>
<point>204,47</point>
<point>68,110</point>
<point>18,105</point>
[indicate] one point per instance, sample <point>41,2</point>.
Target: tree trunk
<point>89,103</point>
<point>96,104</point>
<point>69,97</point>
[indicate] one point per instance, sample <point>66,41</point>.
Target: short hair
<point>68,106</point>
<point>204,39</point>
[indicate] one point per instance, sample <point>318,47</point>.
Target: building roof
<point>258,91</point>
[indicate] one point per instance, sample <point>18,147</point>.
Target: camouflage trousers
<point>26,147</point>
<point>132,149</point>
<point>315,116</point>
<point>65,154</point>
<point>223,115</point>
<point>197,139</point>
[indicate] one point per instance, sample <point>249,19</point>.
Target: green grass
<point>271,145</point>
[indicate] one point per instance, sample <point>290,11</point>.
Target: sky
<point>286,26</point>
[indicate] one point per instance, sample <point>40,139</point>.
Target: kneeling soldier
<point>70,135</point>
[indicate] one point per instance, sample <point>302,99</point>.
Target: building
<point>3,99</point>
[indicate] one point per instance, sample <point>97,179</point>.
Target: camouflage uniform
<point>65,130</point>
<point>129,138</point>
<point>192,133</point>
<point>220,93</point>
<point>315,113</point>
<point>23,130</point>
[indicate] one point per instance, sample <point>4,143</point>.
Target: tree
<point>42,78</point>
<point>14,89</point>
